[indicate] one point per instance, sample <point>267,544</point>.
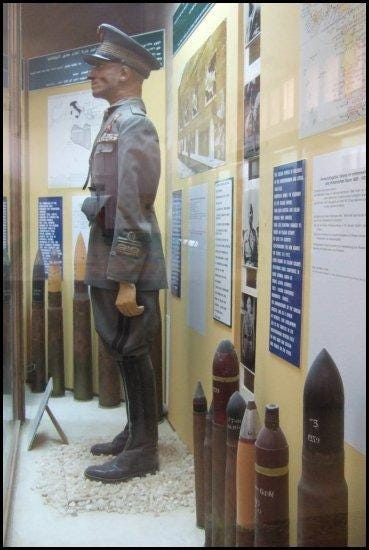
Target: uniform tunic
<point>125,242</point>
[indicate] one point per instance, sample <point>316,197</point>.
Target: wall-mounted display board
<point>5,223</point>
<point>176,248</point>
<point>287,261</point>
<point>186,18</point>
<point>338,276</point>
<point>68,67</point>
<point>202,107</point>
<point>74,120</point>
<point>223,248</point>
<point>250,186</point>
<point>197,257</point>
<point>332,68</point>
<point>50,229</point>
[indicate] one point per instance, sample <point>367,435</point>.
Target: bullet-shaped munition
<point>322,492</point>
<point>38,343</point>
<point>271,483</point>
<point>245,477</point>
<point>7,325</point>
<point>82,352</point>
<point>110,392</point>
<point>156,356</point>
<point>55,339</point>
<point>235,411</point>
<point>225,383</point>
<point>199,404</point>
<point>208,458</point>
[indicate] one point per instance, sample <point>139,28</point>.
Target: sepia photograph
<point>202,107</point>
<point>248,331</point>
<point>250,224</point>
<point>252,118</point>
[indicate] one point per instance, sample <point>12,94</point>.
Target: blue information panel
<point>5,223</point>
<point>175,285</point>
<point>287,261</point>
<point>68,67</point>
<point>50,229</point>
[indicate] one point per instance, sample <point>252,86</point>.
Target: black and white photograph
<point>252,118</point>
<point>250,224</point>
<point>248,331</point>
<point>253,22</point>
<point>202,107</point>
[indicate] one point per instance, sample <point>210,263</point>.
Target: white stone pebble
<point>62,484</point>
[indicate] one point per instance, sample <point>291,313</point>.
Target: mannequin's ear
<point>125,73</point>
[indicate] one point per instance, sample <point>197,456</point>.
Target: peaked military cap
<point>117,46</point>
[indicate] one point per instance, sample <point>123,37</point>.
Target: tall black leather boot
<point>140,454</point>
<point>112,447</point>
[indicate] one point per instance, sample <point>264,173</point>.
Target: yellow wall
<point>36,179</point>
<point>191,354</point>
<point>277,380</point>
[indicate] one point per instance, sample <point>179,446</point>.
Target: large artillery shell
<point>235,411</point>
<point>322,491</point>
<point>82,352</point>
<point>225,383</point>
<point>38,343</point>
<point>156,356</point>
<point>110,393</point>
<point>208,454</point>
<point>245,477</point>
<point>199,421</point>
<point>7,326</point>
<point>271,483</point>
<point>55,340</point>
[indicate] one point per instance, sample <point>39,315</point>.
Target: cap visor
<point>93,59</point>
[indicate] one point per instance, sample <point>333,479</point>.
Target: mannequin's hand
<point>126,300</point>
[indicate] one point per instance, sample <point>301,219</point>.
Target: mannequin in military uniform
<point>125,262</point>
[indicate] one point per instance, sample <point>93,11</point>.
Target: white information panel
<point>74,120</point>
<point>338,279</point>
<point>222,299</point>
<point>333,73</point>
<point>197,257</point>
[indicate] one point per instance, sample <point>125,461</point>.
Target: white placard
<point>197,257</point>
<point>223,247</point>
<point>338,280</point>
<point>332,78</point>
<point>79,221</point>
<point>74,120</point>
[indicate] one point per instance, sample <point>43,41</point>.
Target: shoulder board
<point>137,110</point>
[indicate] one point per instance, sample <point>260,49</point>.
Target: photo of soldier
<point>252,118</point>
<point>248,331</point>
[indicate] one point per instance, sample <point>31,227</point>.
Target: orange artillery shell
<point>82,352</point>
<point>245,477</point>
<point>225,383</point>
<point>38,344</point>
<point>271,483</point>
<point>199,422</point>
<point>55,329</point>
<point>322,492</point>
<point>109,378</point>
<point>207,476</point>
<point>235,411</point>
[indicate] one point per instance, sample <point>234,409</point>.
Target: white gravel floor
<point>55,506</point>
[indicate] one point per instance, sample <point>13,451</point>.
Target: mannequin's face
<point>108,80</point>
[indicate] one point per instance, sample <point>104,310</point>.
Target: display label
<point>197,257</point>
<point>175,285</point>
<point>287,261</point>
<point>186,18</point>
<point>222,298</point>
<point>50,229</point>
<point>68,67</point>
